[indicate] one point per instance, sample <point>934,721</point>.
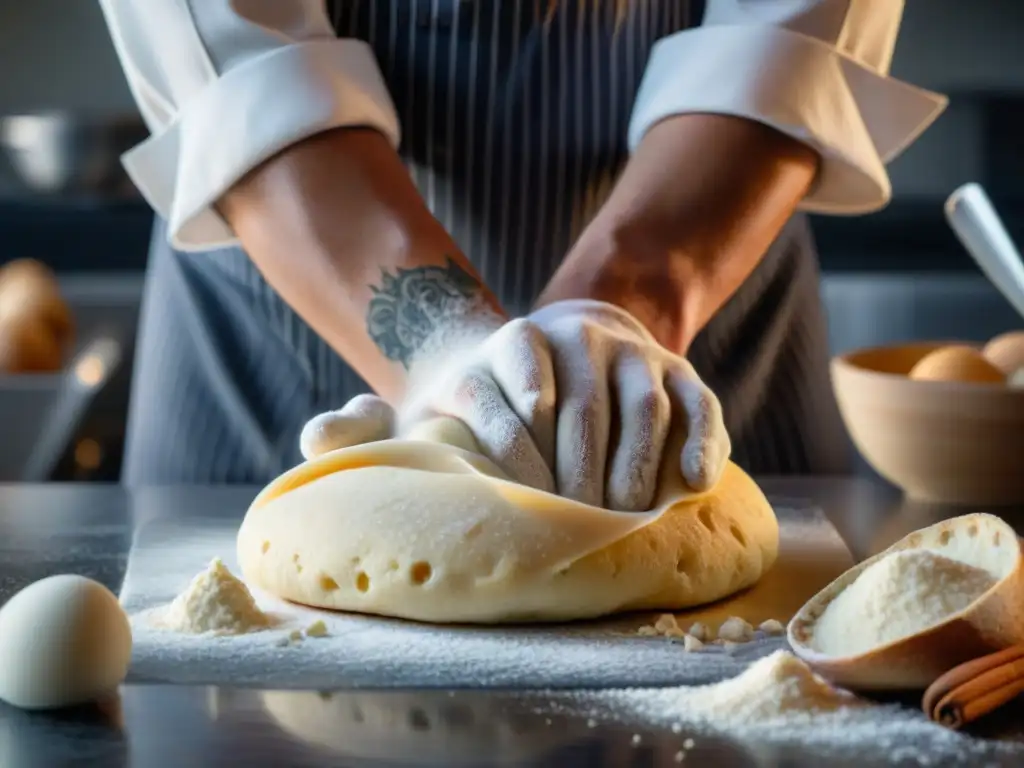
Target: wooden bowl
<point>948,442</point>
<point>992,622</point>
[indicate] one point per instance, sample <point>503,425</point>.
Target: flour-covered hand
<point>576,399</point>
<point>501,385</point>
<point>618,393</point>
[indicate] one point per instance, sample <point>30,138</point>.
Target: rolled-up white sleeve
<point>816,70</point>
<point>226,84</point>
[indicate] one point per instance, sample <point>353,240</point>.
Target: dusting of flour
<point>779,701</point>
<point>778,686</point>
<point>898,596</point>
<point>215,601</point>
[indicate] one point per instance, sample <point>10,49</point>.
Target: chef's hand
<point>576,398</point>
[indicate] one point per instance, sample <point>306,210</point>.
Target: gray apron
<point>514,115</point>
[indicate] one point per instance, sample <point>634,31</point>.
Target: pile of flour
<point>778,700</point>
<point>778,687</point>
<point>215,601</point>
<point>902,594</point>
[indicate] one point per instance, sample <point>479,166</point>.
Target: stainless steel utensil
<point>971,215</point>
<point>66,153</point>
<point>91,370</point>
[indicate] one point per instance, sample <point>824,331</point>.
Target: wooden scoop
<point>991,623</point>
<point>974,689</point>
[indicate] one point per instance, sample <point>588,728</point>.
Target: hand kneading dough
<point>428,529</point>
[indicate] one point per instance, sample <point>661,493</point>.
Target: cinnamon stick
<point>972,690</point>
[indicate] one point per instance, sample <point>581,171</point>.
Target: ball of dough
<point>1016,379</point>
<point>64,640</point>
<point>957,363</point>
<point>432,532</point>
<point>28,345</point>
<point>1006,352</point>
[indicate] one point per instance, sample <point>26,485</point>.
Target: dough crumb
<point>215,601</point>
<point>295,636</point>
<point>691,644</point>
<point>665,622</point>
<point>735,630</point>
<point>665,626</point>
<point>317,629</point>
<point>900,595</point>
<point>700,632</point>
<point>772,627</point>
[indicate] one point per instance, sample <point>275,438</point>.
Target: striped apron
<point>515,115</point>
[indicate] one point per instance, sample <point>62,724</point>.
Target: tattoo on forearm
<point>412,306</point>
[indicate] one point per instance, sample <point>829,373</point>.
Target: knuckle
<point>533,403</point>
<point>470,387</point>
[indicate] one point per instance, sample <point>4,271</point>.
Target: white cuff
<point>854,117</point>
<point>246,116</point>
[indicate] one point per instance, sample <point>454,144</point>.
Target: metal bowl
<point>62,153</point>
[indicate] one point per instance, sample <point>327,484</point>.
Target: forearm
<point>337,227</point>
<point>696,208</point>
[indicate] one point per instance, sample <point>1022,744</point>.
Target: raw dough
<point>64,640</point>
<point>422,529</point>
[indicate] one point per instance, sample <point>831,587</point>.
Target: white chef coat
<point>225,84</point>
<point>516,115</point>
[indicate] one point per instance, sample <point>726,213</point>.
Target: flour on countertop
<point>778,700</point>
<point>900,595</point>
<point>369,652</point>
<point>776,687</point>
<point>215,601</point>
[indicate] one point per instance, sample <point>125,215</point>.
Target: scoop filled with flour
<point>904,593</point>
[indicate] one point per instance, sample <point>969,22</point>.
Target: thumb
<point>363,419</point>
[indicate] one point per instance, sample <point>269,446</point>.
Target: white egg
<point>64,640</point>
